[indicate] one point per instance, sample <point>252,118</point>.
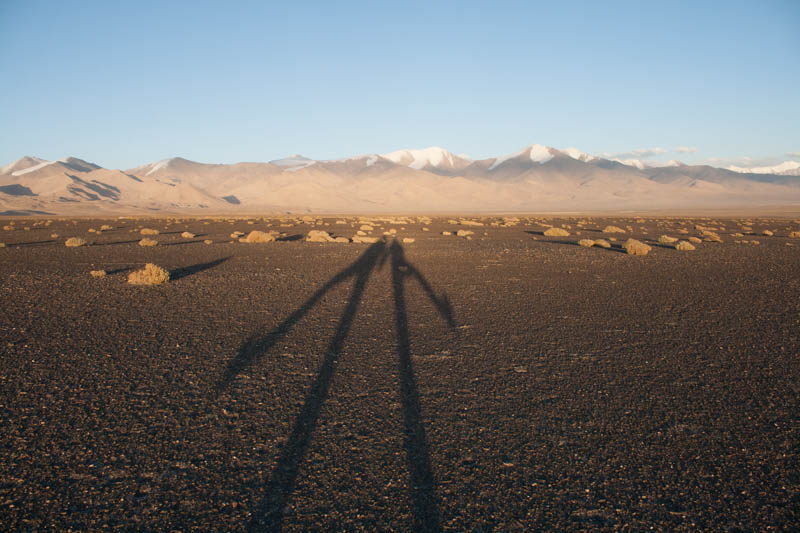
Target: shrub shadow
<point>29,243</point>
<point>290,238</point>
<point>613,248</point>
<point>179,273</point>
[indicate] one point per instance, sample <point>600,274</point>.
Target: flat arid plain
<point>509,379</point>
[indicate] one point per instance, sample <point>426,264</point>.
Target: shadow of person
<point>422,486</point>
<point>269,514</point>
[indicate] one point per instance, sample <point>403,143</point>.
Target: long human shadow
<point>269,514</point>
<point>423,484</point>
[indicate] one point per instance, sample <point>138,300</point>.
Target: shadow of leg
<point>423,490</point>
<point>269,515</point>
<point>257,346</point>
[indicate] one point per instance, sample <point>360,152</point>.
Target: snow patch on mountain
<point>294,162</point>
<point>155,167</point>
<point>24,162</point>
<point>631,163</point>
<point>34,168</point>
<point>419,159</point>
<point>787,167</point>
<point>574,153</point>
<point>536,152</point>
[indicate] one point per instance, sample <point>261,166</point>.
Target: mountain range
<point>535,179</point>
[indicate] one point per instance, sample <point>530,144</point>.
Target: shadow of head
<point>402,270</point>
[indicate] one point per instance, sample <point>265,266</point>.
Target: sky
<point>127,83</point>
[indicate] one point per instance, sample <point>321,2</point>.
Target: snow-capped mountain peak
<point>537,153</point>
<point>790,168</point>
<point>418,159</point>
<point>21,164</point>
<point>574,153</point>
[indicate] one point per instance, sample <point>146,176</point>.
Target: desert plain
<point>497,381</point>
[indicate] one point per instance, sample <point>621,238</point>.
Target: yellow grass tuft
<point>187,235</point>
<point>666,239</point>
<point>2,245</point>
<point>148,231</point>
<point>587,243</point>
<point>148,242</point>
<point>150,275</point>
<point>208,241</point>
<point>602,243</point>
<point>556,232</point>
<point>684,246</point>
<point>98,273</point>
<point>613,229</point>
<point>794,235</point>
<point>105,227</point>
<point>258,236</point>
<point>75,241</point>
<point>634,247</point>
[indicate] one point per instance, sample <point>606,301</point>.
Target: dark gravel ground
<point>508,382</point>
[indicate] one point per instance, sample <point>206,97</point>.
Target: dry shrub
<point>148,242</point>
<point>75,241</point>
<point>236,234</point>
<point>8,227</point>
<point>366,227</point>
<point>554,232</point>
<point>695,240</point>
<point>150,275</point>
<point>98,273</point>
<point>602,243</point>
<point>767,233</point>
<point>634,247</point>
<point>316,235</point>
<point>364,239</point>
<point>105,227</point>
<point>258,236</point>
<point>187,235</point>
<point>208,241</point>
<point>794,235</point>
<point>613,229</point>
<point>684,246</point>
<point>447,233</point>
<point>587,243</point>
<point>408,240</point>
<point>148,231</point>
<point>2,245</point>
<point>666,239</point>
<point>467,233</point>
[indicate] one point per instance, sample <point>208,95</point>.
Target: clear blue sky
<point>125,83</point>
